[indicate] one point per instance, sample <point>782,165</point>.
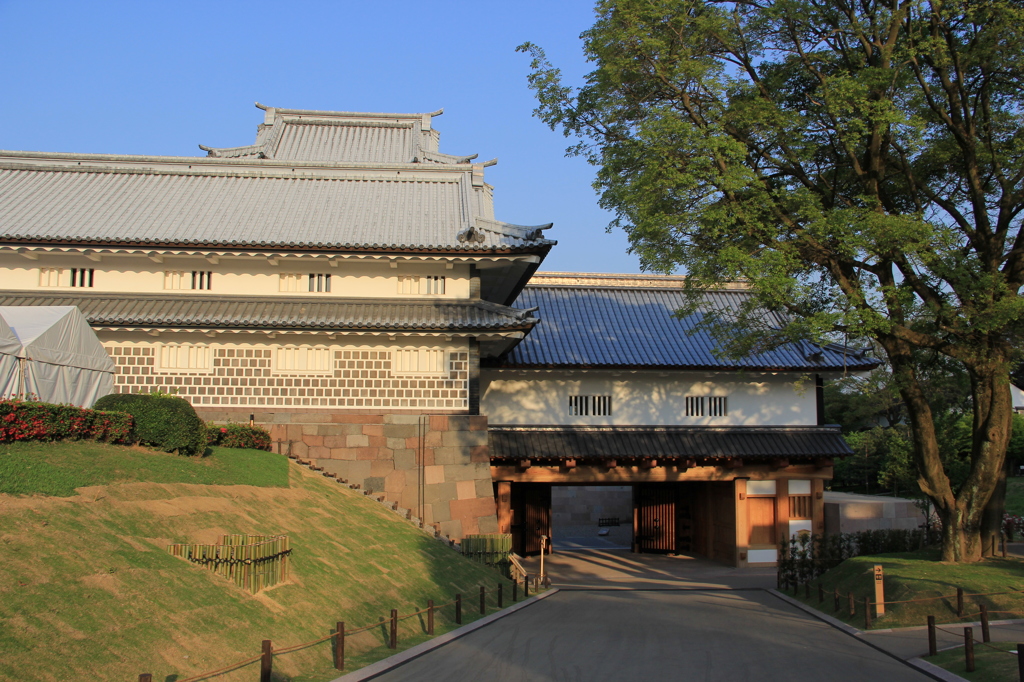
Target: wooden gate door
<point>531,516</point>
<point>654,517</point>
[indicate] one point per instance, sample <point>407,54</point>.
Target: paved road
<point>620,635</point>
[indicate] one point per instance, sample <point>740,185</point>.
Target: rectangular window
<point>694,406</point>
<point>718,407</point>
<point>304,360</point>
<point>408,361</point>
<point>590,405</point>
<point>319,283</point>
<point>50,277</point>
<point>185,356</point>
<point>202,279</point>
<point>429,285</point>
<point>82,277</point>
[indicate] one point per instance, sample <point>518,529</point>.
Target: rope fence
<point>339,633</point>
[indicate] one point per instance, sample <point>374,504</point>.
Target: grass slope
<point>914,575</point>
<point>59,468</point>
<point>87,589</point>
<point>989,665</point>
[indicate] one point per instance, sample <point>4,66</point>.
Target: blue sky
<point>146,77</point>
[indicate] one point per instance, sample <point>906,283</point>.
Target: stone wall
<point>442,458</point>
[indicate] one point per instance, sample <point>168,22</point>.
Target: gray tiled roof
<point>567,442</point>
<point>338,136</point>
<point>325,312</point>
<point>92,202</point>
<point>629,326</point>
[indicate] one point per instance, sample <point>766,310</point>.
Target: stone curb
<point>392,662</point>
<point>834,622</point>
<point>935,671</point>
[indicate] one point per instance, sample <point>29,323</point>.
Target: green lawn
<point>989,665</point>
<point>86,583</point>
<point>914,575</point>
<point>58,468</point>
<point>1015,495</point>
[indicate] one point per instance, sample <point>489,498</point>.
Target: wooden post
<point>835,599</point>
<point>430,616</point>
<point>867,613</point>
<point>393,640</point>
<point>959,602</point>
<point>933,647</point>
<point>483,600</point>
<point>853,605</point>
<point>145,677</point>
<point>458,609</point>
<point>500,597</point>
<point>821,593</point>
<point>515,590</point>
<point>879,590</point>
<point>969,648</point>
<point>267,661</point>
<point>526,586</point>
<point>339,646</point>
<point>1020,662</point>
<point>1002,538</point>
<point>984,624</point>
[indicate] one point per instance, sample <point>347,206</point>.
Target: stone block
<point>438,423</point>
<point>374,484</point>
<point>466,472</point>
<point>381,467</point>
<point>312,418</point>
<point>401,443</point>
<point>310,429</point>
<point>480,453</point>
<point>465,490</point>
<point>319,452</point>
<point>458,422</point>
<point>377,441</point>
<point>335,441</point>
<point>428,457</point>
<point>299,449</point>
<point>365,453</point>
<point>373,429</point>
<point>433,474</point>
<point>278,432</point>
<point>487,524</point>
<point>313,440</point>
<point>470,526</point>
<point>401,431</point>
<point>451,455</point>
<point>452,529</point>
<point>440,492</point>
<point>346,418</point>
<point>473,508</point>
<point>484,487</point>
<point>478,422</point>
<point>294,432</point>
<point>405,459</point>
<point>401,419</point>
<point>359,441</point>
<point>432,439</point>
<point>394,482</point>
<point>343,453</point>
<point>464,439</point>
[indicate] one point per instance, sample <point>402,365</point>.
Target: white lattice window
<point>590,405</point>
<point>419,361</point>
<point>291,281</point>
<point>184,357</point>
<point>694,406</point>
<point>50,277</point>
<point>293,359</point>
<point>429,285</point>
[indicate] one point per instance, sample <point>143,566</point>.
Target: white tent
<point>9,348</point>
<point>59,358</point>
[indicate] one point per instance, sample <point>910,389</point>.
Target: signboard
<point>879,592</point>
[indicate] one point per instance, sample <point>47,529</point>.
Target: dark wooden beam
<point>611,463</point>
<point>733,463</point>
<point>823,462</point>
<point>780,462</point>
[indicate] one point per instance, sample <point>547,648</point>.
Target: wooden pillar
<point>781,510</point>
<point>742,525</point>
<point>818,506</point>
<point>504,495</point>
<point>636,520</point>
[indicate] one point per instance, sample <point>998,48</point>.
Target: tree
<point>860,165</point>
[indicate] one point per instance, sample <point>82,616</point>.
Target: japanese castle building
<point>348,285</point>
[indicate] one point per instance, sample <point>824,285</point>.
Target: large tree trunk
<point>986,484</point>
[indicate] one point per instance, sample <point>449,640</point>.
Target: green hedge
<point>238,436</point>
<point>30,420</point>
<point>161,421</point>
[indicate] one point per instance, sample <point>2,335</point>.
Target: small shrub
<point>165,422</point>
<point>238,436</point>
<point>32,420</point>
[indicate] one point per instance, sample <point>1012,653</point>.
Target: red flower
<point>223,430</point>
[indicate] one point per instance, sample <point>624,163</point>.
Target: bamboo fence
<point>253,562</point>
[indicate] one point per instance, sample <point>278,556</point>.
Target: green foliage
<point>161,421</point>
<point>28,420</point>
<point>238,436</point>
<point>857,164</point>
<point>57,469</point>
<point>804,557</point>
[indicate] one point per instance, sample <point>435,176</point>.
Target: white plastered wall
<point>240,276</point>
<point>647,398</point>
